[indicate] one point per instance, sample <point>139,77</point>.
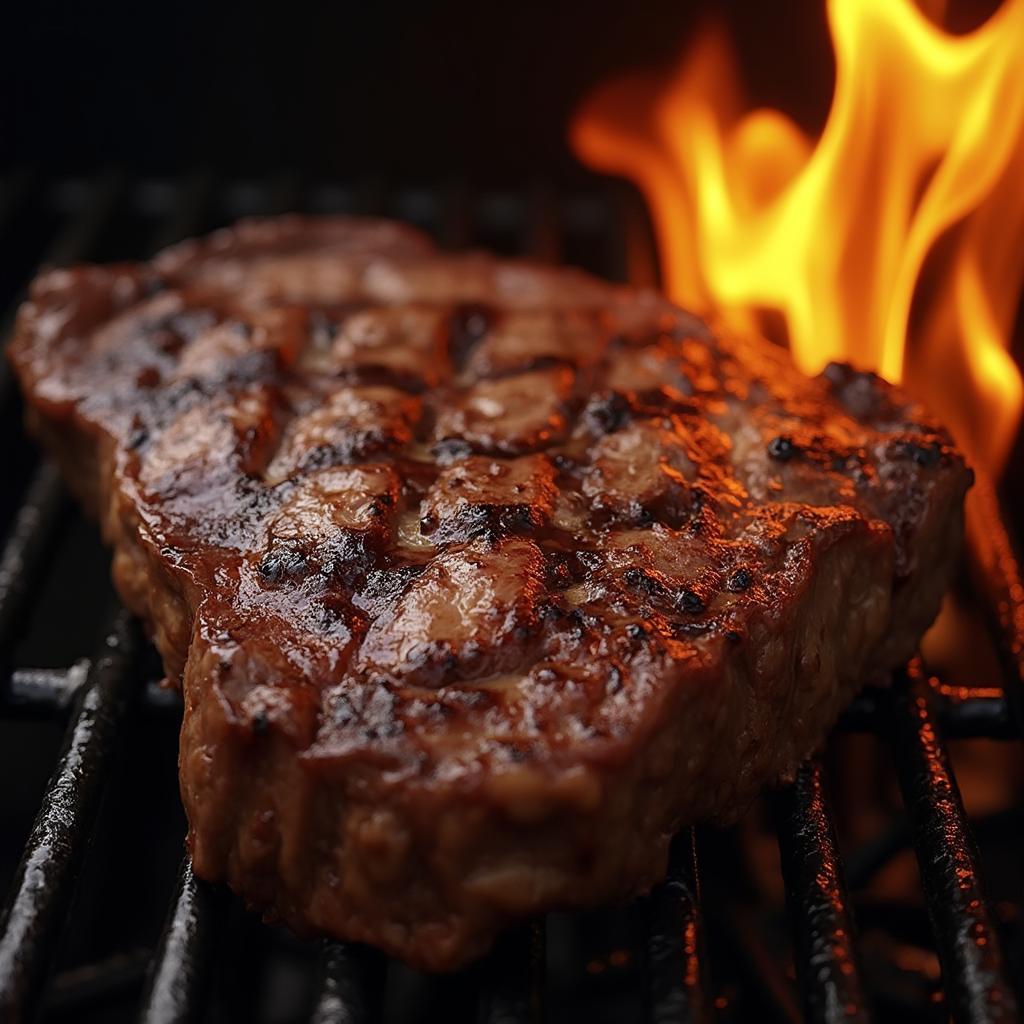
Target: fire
<point>893,241</point>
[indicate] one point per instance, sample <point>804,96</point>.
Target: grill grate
<point>604,230</point>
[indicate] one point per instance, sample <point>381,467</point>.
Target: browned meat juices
<point>480,578</point>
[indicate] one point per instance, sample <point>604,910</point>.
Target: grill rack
<point>99,698</point>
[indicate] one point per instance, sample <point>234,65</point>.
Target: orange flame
<point>894,241</point>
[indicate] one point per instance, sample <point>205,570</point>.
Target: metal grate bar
<point>45,878</point>
<point>998,578</point>
<point>178,979</point>
<point>28,549</point>
<point>42,692</point>
<point>351,985</point>
<point>972,963</point>
<point>675,984</point>
<point>983,713</point>
<point>826,960</point>
<point>512,978</point>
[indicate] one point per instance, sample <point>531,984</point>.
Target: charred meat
<point>480,578</point>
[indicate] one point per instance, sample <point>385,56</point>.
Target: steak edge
<point>480,578</point>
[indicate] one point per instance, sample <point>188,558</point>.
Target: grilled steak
<point>480,578</point>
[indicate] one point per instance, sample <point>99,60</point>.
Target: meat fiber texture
<point>480,578</point>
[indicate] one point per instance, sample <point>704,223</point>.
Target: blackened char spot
<point>171,332</point>
<point>374,714</point>
<point>357,443</point>
<point>739,580</point>
<point>346,557</point>
<point>606,412</point>
<point>281,564</point>
<point>647,585</point>
<point>466,329</point>
<point>681,600</point>
<point>137,438</point>
<point>925,455</point>
<point>577,622</point>
<point>698,501</point>
<point>590,560</point>
<point>548,612</point>
<point>386,585</point>
<point>450,450</point>
<point>480,522</point>
<point>687,601</point>
<point>691,628</point>
<point>782,448</point>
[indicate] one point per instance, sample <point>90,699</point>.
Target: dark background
<point>344,89</point>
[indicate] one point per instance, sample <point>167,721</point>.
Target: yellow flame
<point>894,241</point>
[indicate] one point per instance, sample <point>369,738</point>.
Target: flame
<point>893,241</point>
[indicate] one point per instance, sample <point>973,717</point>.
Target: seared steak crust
<point>480,578</point>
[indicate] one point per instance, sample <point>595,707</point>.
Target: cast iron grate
<point>665,958</point>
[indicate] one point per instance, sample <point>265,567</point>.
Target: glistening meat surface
<point>480,578</point>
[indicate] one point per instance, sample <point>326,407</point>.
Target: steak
<point>480,579</point>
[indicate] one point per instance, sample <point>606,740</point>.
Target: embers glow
<point>893,241</point>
